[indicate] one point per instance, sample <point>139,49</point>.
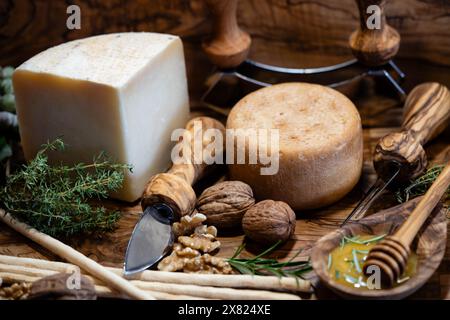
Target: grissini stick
<point>211,280</point>
<point>68,253</point>
<point>35,269</point>
<point>399,156</point>
<point>169,196</point>
<point>391,254</point>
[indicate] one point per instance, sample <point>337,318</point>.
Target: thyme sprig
<point>420,185</point>
<point>56,199</point>
<point>264,266</point>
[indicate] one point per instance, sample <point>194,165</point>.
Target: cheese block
<point>120,93</point>
<point>320,150</point>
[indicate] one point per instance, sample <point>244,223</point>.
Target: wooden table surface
<point>381,114</point>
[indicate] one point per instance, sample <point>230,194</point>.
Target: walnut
<point>187,259</point>
<point>17,291</point>
<point>172,263</point>
<point>269,221</point>
<point>187,253</point>
<point>208,264</point>
<point>188,224</point>
<point>206,230</point>
<point>225,203</point>
<point>202,242</point>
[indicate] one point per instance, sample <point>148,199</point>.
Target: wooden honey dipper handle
<point>409,229</point>
<point>228,46</point>
<point>174,187</point>
<point>426,115</point>
<point>373,44</point>
<point>391,254</point>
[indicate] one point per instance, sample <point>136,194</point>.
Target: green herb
<point>420,185</point>
<point>261,266</point>
<point>350,279</point>
<point>54,199</point>
<point>355,240</point>
<point>356,262</point>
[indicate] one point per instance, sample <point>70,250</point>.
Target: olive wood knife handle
<point>426,115</point>
<point>372,44</point>
<point>174,187</point>
<point>228,46</point>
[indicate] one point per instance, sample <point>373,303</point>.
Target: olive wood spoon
<point>426,114</point>
<point>391,254</point>
<point>374,47</point>
<point>228,46</point>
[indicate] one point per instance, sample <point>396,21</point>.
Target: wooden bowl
<point>429,246</point>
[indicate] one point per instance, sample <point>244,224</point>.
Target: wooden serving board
<point>380,114</point>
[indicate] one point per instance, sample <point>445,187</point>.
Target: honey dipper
<point>391,254</point>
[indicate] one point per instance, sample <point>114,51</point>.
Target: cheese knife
<point>169,196</point>
<point>400,157</point>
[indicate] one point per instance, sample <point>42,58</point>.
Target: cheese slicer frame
<point>229,46</point>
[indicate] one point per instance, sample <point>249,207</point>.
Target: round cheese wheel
<point>320,144</point>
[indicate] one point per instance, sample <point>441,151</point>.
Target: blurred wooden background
<point>286,32</point>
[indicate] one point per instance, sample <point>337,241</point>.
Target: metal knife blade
<point>374,192</point>
<point>152,237</point>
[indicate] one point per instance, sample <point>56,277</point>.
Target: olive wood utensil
<point>169,196</point>
<point>392,253</point>
<point>228,46</point>
<point>429,247</point>
<point>374,46</point>
<point>399,156</point>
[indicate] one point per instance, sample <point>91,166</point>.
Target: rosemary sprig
<point>55,199</point>
<point>263,266</point>
<point>420,185</point>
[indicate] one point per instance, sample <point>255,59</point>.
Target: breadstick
<point>68,253</point>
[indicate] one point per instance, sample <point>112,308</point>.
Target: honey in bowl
<point>345,263</point>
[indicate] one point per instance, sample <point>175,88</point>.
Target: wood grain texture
<point>374,47</point>
<point>430,248</point>
<point>109,249</point>
<point>174,187</point>
<point>299,33</point>
<point>392,253</point>
<point>426,115</point>
<point>277,26</point>
<point>228,45</point>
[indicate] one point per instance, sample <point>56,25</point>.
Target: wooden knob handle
<point>375,42</point>
<point>426,114</point>
<point>228,46</point>
<point>174,187</point>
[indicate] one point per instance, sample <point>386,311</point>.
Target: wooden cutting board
<point>311,225</point>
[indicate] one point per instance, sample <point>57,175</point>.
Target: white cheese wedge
<point>320,143</point>
<point>121,93</point>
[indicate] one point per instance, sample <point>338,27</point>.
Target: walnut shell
<point>225,203</point>
<point>269,221</point>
